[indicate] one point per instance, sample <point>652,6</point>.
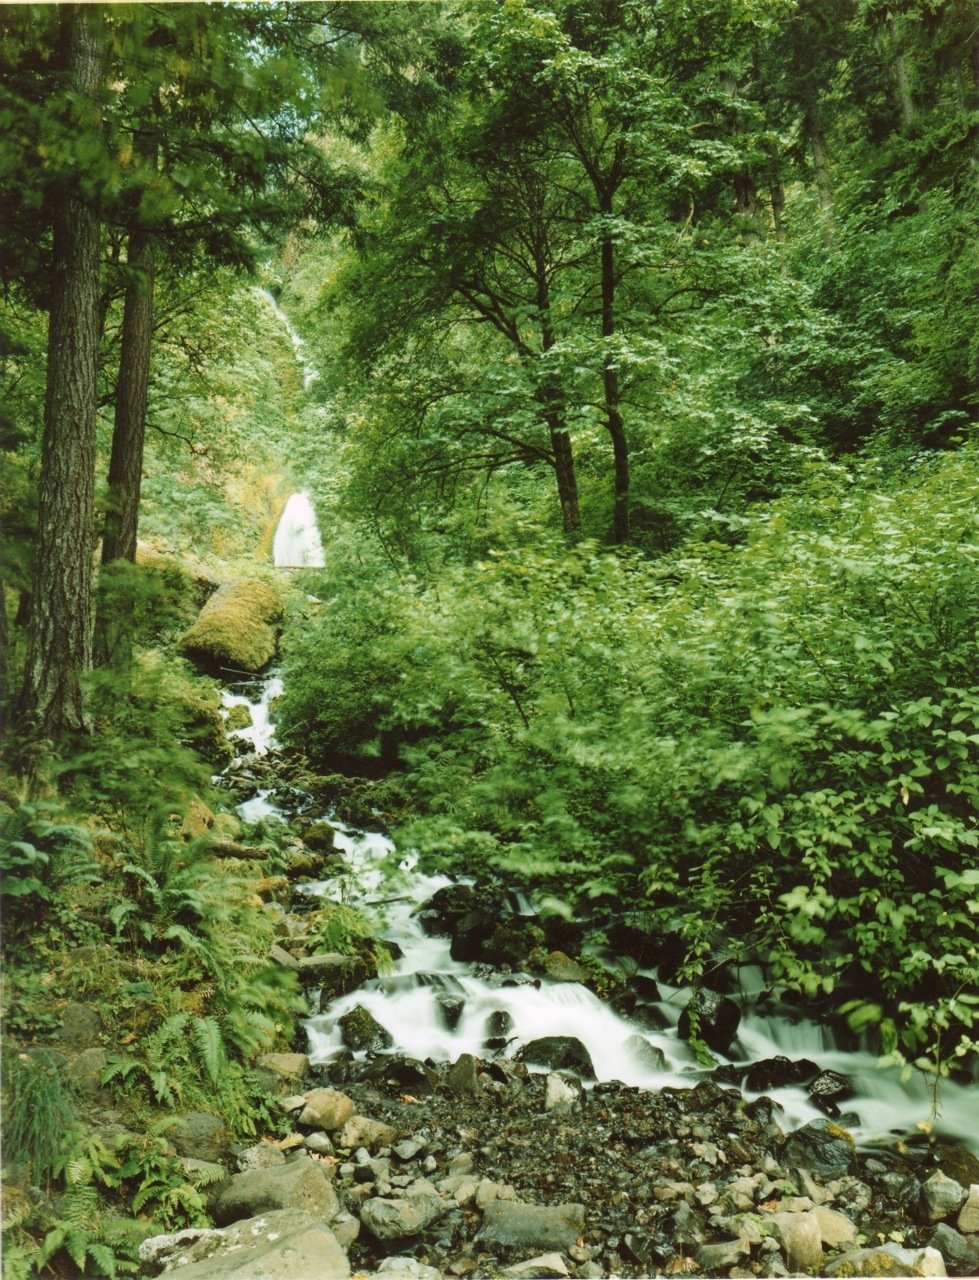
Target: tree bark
<point>116,606</point>
<point>610,383</point>
<point>60,640</point>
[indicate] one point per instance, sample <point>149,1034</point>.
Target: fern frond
<point>210,1045</point>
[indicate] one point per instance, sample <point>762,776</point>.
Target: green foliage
<point>39,1121</point>
<point>770,744</point>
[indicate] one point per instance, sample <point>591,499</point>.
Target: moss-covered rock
<point>236,630</point>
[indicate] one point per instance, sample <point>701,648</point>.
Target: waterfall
<point>310,374</point>
<point>297,543</point>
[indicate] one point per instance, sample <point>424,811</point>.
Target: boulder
<point>559,1053</point>
<point>236,629</point>
<point>800,1238</point>
<point>362,1031</point>
<point>941,1196</point>
<point>560,1094</point>
<point>512,1224</point>
<point>397,1219</point>
<point>822,1148</point>
<point>968,1219</point>
<point>286,1067</point>
<point>777,1072</point>
<point>961,1253</point>
<point>263,1155</point>
<point>201,1136</point>
<point>561,968</point>
<point>359,1131</point>
<point>887,1260</point>
<point>326,1109</point>
<point>462,1078</point>
<point>300,1183</point>
<point>710,1017</point>
<point>85,1069</point>
<point>828,1090</point>
<point>286,1244</point>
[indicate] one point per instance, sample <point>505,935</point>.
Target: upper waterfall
<point>297,543</point>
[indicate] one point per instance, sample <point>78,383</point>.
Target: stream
<point>410,1001</point>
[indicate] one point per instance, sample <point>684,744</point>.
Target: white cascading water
<point>409,1002</point>
<point>297,543</point>
<point>310,373</point>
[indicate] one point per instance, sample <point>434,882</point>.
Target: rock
<point>280,956</point>
<point>961,1253</point>
<point>334,973</point>
<point>649,1055</point>
<point>835,1228</point>
<point>300,1183</point>
<point>561,968</point>
<point>958,1162</point>
<point>408,1149</point>
<point>822,1148</point>
<point>85,1070</point>
<point>800,1238</point>
<point>559,1053</point>
<point>542,1268</point>
<point>722,1256</point>
<point>319,1144</point>
<point>462,1078</point>
<point>941,1196</point>
<point>81,1026</point>
<point>291,1067</point>
<point>968,1219</point>
<point>716,1018</point>
<point>282,1245</point>
<point>407,1269</point>
<point>445,908</point>
<point>887,1260</point>
<point>560,1094</point>
<point>390,1219</point>
<point>362,1031</point>
<point>320,837</point>
<point>326,1109</point>
<point>201,1136</point>
<point>359,1131</point>
<point>260,1156</point>
<point>777,1072</point>
<point>512,1224</point>
<point>236,628</point>
<point>829,1089</point>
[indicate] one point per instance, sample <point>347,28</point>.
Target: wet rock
<point>201,1136</point>
<point>281,1245</point>
<point>560,1094</point>
<point>462,1079</point>
<point>823,1148</point>
<point>887,1260</point>
<point>941,1197</point>
<point>326,1109</point>
<point>397,1219</point>
<point>408,1074</point>
<point>451,1007</point>
<point>778,1072</point>
<point>512,1224</point>
<point>968,1219</point>
<point>236,629</point>
<point>961,1253</point>
<point>828,1090</point>
<point>710,1017</point>
<point>559,1053</point>
<point>300,1183</point>
<point>335,973</point>
<point>445,908</point>
<point>498,1027</point>
<point>362,1031</point>
<point>561,968</point>
<point>958,1162</point>
<point>319,836</point>
<point>649,1055</point>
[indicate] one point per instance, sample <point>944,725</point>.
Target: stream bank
<point>450,1118</point>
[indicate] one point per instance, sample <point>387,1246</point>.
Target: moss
<point>236,629</point>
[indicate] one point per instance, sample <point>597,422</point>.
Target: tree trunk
<point>610,384</point>
<point>550,398</point>
<point>116,606</point>
<point>60,640</point>
<point>812,126</point>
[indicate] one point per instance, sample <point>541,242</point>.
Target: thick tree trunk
<point>550,398</point>
<point>60,640</point>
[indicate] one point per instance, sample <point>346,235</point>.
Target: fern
<point>210,1045</point>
